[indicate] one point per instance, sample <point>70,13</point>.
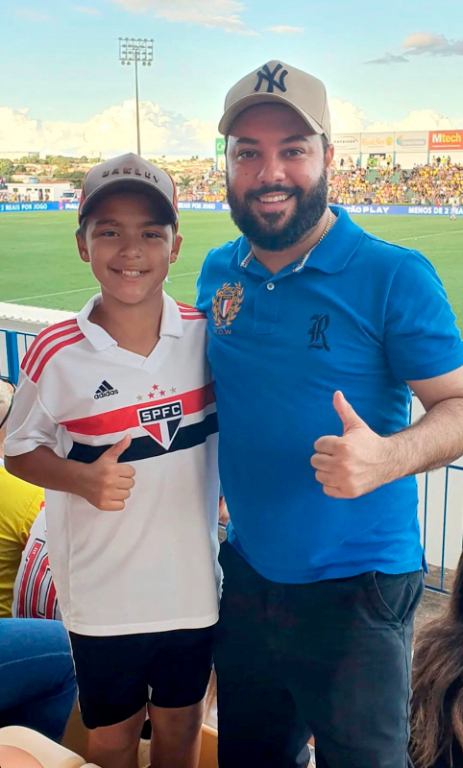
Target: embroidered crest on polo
<point>270,77</point>
<point>225,306</point>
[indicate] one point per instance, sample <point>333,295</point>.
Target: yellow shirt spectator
<point>20,504</point>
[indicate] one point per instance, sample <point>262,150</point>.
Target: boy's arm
<point>105,483</point>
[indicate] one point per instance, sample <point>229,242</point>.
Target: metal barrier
<point>13,347</point>
<point>440,509</point>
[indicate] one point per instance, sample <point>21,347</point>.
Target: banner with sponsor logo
<point>411,141</point>
<point>15,207</point>
<point>443,141</point>
<point>382,210</point>
<point>219,147</point>
<point>377,143</point>
<point>346,143</point>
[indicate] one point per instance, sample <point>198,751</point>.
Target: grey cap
<point>124,173</point>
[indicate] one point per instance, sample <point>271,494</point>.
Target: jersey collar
<point>331,256</point>
<point>171,323</point>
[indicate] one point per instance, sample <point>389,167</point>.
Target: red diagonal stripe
<point>123,419</point>
<point>42,341</point>
<point>52,352</point>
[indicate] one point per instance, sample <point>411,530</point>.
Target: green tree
<point>186,182</point>
<point>6,168</point>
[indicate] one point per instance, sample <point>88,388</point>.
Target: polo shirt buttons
<point>270,286</point>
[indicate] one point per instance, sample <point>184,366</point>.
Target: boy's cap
<point>125,173</point>
<point>280,83</point>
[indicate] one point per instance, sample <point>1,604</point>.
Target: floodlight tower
<point>133,49</point>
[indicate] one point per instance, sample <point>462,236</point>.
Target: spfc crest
<point>162,422</point>
<point>226,304</point>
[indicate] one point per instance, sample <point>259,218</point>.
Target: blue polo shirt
<point>360,315</point>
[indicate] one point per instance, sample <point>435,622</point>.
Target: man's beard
<point>266,231</point>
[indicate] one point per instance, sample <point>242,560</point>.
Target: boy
<point>115,415</point>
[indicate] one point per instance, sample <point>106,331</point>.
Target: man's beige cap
<point>280,83</point>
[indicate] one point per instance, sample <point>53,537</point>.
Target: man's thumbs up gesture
<point>107,483</point>
<point>354,464</point>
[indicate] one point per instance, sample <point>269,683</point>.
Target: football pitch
<point>40,266</point>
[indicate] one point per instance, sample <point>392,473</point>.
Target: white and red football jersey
<point>152,567</point>
<point>34,590</point>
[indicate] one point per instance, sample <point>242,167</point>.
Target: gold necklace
<point>303,261</point>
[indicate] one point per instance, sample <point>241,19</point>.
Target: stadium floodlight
<point>132,49</point>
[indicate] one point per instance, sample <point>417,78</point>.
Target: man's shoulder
<point>387,254</point>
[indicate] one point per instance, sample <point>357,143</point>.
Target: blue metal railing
<point>14,345</point>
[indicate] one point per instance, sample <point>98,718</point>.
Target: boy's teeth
<point>130,272</point>
<point>275,199</point>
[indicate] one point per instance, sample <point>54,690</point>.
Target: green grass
<point>39,264</point>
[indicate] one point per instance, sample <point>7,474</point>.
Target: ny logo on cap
<point>271,78</point>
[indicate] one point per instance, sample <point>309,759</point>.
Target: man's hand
<point>356,463</point>
<point>106,484</point>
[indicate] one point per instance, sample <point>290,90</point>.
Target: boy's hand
<point>106,483</point>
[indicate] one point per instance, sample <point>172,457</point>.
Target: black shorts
<point>114,673</point>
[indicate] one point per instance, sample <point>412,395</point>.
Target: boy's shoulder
<point>48,342</point>
<point>189,313</point>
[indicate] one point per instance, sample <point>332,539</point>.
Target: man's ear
<point>82,247</point>
<point>177,244</point>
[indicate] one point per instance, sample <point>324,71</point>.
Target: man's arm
<point>105,483</point>
<point>361,460</point>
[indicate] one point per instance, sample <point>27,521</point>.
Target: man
<point>20,503</point>
<point>318,331</point>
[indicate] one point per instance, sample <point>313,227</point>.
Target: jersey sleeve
<point>421,337</point>
<point>29,424</point>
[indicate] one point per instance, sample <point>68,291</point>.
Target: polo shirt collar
<point>171,323</point>
<point>331,255</point>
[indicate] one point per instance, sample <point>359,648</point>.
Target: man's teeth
<point>274,199</point>
<point>130,272</point>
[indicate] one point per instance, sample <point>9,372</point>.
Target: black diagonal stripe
<point>146,447</point>
<point>106,386</point>
<point>100,389</point>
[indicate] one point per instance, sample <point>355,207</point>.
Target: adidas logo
<point>105,390</point>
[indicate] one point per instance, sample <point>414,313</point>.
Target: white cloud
<point>216,14</point>
<point>420,43</point>
<point>110,132</point>
<point>286,30</point>
<point>87,10</point>
<point>389,58</point>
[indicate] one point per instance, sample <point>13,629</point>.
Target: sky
<point>386,65</point>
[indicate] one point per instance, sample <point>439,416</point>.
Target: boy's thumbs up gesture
<point>107,483</point>
<point>354,464</point>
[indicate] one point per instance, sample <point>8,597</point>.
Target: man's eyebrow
<point>246,140</point>
<point>293,139</point>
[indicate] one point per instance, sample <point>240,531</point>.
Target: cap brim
<point>127,185</point>
<point>263,98</point>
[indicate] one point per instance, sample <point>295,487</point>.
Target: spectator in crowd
<point>34,589</point>
<point>437,703</point>
<point>37,682</point>
<point>19,506</point>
